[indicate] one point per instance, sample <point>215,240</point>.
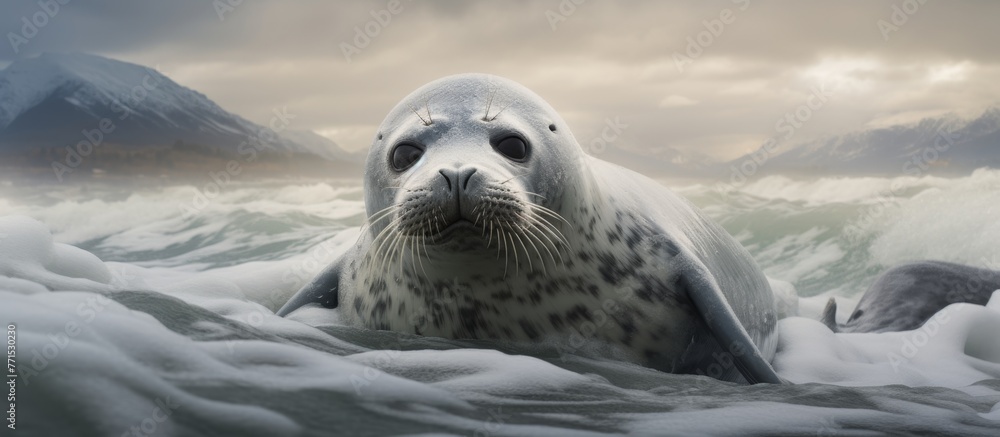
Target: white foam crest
<point>959,222</point>
<point>799,256</point>
<point>75,222</point>
<point>475,373</point>
<point>155,219</point>
<point>826,190</point>
<point>28,252</point>
<point>130,360</point>
<point>957,347</point>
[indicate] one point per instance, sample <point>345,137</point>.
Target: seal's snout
<point>457,180</point>
<point>462,193</point>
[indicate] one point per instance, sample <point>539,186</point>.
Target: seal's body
<point>906,296</point>
<point>486,220</point>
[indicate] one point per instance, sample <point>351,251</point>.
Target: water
<point>200,342</point>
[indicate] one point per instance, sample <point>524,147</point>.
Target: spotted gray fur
<point>588,250</point>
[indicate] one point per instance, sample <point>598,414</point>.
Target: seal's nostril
<point>465,176</point>
<point>446,178</point>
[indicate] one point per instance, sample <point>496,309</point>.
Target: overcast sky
<point>594,61</point>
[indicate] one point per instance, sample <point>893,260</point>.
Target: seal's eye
<point>513,148</point>
<point>404,155</point>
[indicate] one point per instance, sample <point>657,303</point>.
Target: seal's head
<point>469,161</point>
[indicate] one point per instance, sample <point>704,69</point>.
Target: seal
<point>903,298</point>
<point>486,220</point>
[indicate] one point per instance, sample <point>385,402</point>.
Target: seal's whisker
<point>393,250</point>
<point>378,215</point>
<point>506,254</point>
<point>530,230</point>
<point>479,216</point>
<point>551,227</point>
<point>490,241</point>
<point>373,264</point>
<point>421,117</point>
<point>549,212</point>
<point>380,241</point>
<point>534,194</point>
<point>513,177</point>
<point>419,259</point>
<point>388,228</point>
<point>519,240</point>
<point>528,256</point>
<point>423,244</point>
<point>489,103</point>
<point>500,111</point>
<point>381,215</point>
<point>550,230</point>
<point>517,263</point>
<point>440,218</point>
<point>555,247</point>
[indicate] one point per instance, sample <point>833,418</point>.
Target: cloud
<point>603,59</point>
<point>674,101</point>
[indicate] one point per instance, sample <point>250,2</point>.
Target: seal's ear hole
<point>552,127</point>
<point>404,155</point>
<point>513,147</point>
<point>379,135</point>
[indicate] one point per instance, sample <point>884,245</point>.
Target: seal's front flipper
<point>322,290</point>
<point>724,325</point>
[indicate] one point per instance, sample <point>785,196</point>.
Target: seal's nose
<point>457,179</point>
<point>462,190</point>
<point>464,175</point>
<point>449,175</point>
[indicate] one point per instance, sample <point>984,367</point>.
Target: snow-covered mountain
<point>944,145</point>
<point>50,100</point>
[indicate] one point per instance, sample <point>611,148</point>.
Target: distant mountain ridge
<point>53,102</point>
<point>52,99</point>
<point>941,145</point>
